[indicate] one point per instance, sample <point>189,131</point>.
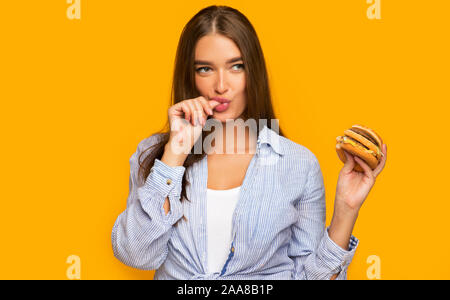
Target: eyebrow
<point>203,62</point>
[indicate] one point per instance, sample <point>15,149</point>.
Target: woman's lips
<point>223,106</point>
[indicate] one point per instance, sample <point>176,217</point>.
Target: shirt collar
<point>270,137</point>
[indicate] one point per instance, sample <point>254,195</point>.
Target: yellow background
<point>77,96</point>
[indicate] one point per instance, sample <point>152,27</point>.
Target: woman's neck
<point>236,138</point>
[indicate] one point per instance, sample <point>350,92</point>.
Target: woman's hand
<point>351,191</point>
<point>353,187</point>
<point>187,119</point>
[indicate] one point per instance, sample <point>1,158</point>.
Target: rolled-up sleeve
<point>315,255</point>
<point>333,257</point>
<point>141,232</point>
<point>163,182</point>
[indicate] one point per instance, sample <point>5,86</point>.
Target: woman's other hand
<point>353,187</point>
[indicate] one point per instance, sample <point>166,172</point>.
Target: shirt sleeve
<point>141,233</point>
<point>315,255</point>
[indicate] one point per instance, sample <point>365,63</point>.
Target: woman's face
<point>219,72</point>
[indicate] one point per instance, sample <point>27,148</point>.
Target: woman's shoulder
<point>150,141</point>
<point>146,143</point>
<point>296,151</point>
<point>298,164</point>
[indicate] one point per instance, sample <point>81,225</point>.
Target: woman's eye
<point>241,66</point>
<point>206,69</point>
<point>202,68</point>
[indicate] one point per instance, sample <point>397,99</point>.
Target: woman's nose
<point>221,83</point>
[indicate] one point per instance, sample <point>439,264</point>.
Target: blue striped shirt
<point>278,228</point>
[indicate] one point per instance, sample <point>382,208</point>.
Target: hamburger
<point>362,142</point>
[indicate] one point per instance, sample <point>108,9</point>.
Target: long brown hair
<point>231,23</point>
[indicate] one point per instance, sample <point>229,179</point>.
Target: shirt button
<point>169,181</point>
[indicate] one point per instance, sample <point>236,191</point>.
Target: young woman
<point>210,215</point>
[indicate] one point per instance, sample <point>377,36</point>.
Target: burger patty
<point>356,142</point>
<point>365,135</point>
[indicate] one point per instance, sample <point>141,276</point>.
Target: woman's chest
<point>227,171</point>
<point>264,212</point>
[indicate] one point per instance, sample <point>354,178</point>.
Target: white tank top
<point>220,208</point>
